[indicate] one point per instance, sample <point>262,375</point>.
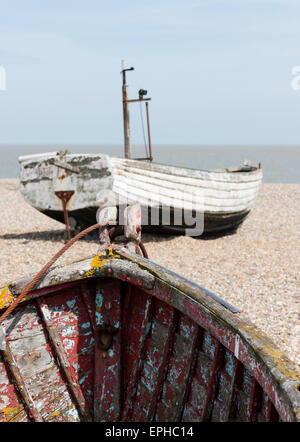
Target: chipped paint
<point>237,346</point>
<point>11,412</point>
<point>184,355</point>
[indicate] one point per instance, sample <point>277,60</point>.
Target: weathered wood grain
<point>36,374</point>
<point>107,381</point>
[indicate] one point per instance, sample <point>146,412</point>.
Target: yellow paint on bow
<point>99,260</point>
<point>6,297</point>
<point>11,412</point>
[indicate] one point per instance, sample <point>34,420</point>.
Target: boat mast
<point>127,147</point>
<point>142,93</point>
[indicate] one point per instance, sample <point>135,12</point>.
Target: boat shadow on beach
<point>160,237</point>
<point>60,235</point>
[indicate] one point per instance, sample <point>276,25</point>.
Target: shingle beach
<point>256,268</point>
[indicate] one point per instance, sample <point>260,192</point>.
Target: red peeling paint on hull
<point>102,349</point>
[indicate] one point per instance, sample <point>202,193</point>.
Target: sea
<point>281,164</point>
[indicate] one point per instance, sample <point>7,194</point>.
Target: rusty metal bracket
<point>65,196</point>
<point>131,229</point>
<point>106,336</point>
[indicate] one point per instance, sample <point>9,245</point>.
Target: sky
<point>218,71</point>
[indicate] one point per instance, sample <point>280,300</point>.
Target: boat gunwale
<point>133,161</point>
<point>199,182</point>
<point>168,169</point>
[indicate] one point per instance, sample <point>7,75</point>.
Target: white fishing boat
<point>72,187</point>
<point>223,197</point>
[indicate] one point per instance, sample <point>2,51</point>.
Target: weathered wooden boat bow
<point>118,337</point>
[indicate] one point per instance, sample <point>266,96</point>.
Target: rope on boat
<point>42,272</point>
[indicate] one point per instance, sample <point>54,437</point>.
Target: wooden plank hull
<point>125,339</point>
<point>221,198</point>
